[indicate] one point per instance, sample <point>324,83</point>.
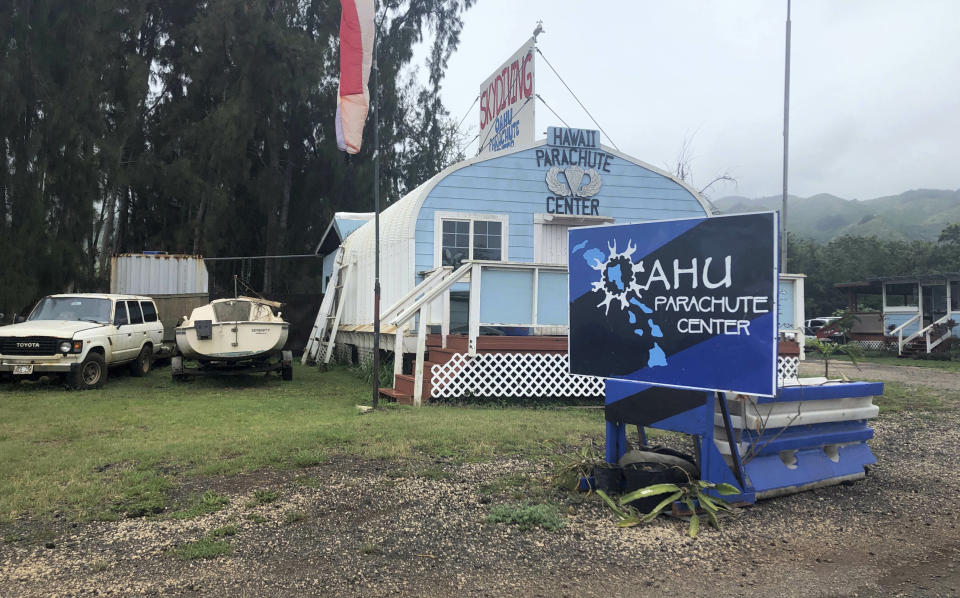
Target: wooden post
<point>421,349</point>
<point>474,325</point>
<point>398,352</point>
<point>445,319</point>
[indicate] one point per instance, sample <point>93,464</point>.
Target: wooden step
<point>404,383</point>
<point>399,397</point>
<point>438,355</point>
<point>459,342</point>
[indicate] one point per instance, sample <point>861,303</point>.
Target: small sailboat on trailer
<point>236,335</point>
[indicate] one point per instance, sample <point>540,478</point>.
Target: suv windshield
<point>75,309</point>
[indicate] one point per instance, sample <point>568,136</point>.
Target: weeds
<point>262,497</point>
<point>99,565</point>
<point>204,548</point>
<point>294,516</point>
<point>208,502</point>
<point>306,481</point>
<point>226,530</point>
<point>527,516</point>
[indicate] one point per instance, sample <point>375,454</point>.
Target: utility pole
<point>786,147</point>
<point>376,215</point>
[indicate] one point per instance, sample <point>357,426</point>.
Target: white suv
<point>78,336</point>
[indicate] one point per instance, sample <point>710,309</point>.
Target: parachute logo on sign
<point>574,186</point>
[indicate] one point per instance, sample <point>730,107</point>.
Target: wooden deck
<point>402,391</point>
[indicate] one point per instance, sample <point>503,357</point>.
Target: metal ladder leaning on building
<point>319,347</point>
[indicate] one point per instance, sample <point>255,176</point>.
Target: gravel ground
<point>368,529</point>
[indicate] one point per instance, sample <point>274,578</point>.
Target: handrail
<point>431,279</point>
<point>898,332</point>
<point>404,316</point>
<point>926,332</point>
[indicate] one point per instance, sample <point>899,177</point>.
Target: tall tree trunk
<point>198,225</point>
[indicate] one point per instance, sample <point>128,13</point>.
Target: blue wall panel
<point>515,185</point>
<point>506,297</point>
<point>785,304</point>
<point>898,319</point>
<point>553,308</point>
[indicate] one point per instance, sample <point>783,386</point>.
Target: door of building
<point>550,236</point>
<point>934,302</point>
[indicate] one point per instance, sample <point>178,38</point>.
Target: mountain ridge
<point>917,214</point>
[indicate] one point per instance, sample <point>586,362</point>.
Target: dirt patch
<point>362,528</point>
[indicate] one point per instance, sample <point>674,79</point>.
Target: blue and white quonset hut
<point>474,267</point>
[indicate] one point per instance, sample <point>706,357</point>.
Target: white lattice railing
<point>511,375</point>
<point>534,375</point>
<point>788,369</point>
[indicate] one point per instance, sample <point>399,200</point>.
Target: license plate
<point>23,370</point>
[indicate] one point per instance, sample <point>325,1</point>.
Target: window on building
<point>464,237</point>
<point>487,240</point>
<point>955,295</point>
<point>456,242</point>
<point>902,295</point>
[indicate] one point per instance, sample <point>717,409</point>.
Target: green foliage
<point>527,516</point>
<point>364,371</point>
<point>849,258</point>
<point>570,467</point>
<point>199,127</point>
<point>950,234</point>
<point>204,548</point>
<point>690,494</point>
<point>828,349</point>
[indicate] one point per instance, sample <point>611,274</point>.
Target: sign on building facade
<point>507,102</point>
<point>678,303</point>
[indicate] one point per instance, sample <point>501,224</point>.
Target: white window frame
<point>903,309</point>
<point>471,217</point>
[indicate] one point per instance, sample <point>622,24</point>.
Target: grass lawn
<point>948,366</point>
<point>899,397</point>
<point>125,448</point>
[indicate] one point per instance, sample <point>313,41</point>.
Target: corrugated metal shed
<point>158,274</point>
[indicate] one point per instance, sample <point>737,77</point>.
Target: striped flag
<point>356,57</point>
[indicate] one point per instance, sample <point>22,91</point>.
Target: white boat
<point>231,330</point>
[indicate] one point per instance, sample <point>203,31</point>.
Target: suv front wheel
<point>92,373</point>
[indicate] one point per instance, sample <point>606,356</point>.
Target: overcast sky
<point>875,85</point>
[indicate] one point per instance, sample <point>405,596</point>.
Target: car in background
<point>77,337</point>
<point>812,326</point>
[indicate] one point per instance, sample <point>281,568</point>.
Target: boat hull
<point>233,341</point>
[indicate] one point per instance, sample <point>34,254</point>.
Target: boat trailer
<point>283,364</point>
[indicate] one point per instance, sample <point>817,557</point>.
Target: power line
<point>540,97</point>
<point>475,100</point>
<point>576,98</point>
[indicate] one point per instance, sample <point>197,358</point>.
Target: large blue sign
<point>677,303</point>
